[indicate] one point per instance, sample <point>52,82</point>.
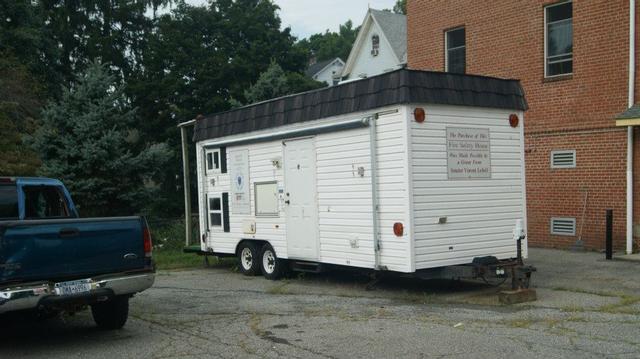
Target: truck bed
<point>66,249</point>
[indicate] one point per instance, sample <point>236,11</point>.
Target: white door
<point>301,205</point>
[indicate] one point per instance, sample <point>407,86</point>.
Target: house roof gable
<point>394,32</point>
<point>320,66</point>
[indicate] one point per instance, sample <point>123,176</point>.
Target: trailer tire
<point>273,268</point>
<point>112,314</point>
<point>248,258</point>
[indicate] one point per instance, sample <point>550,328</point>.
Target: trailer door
<point>301,205</point>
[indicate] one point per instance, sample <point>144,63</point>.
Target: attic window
<point>375,45</point>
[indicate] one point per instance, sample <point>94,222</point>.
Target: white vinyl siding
<point>563,159</point>
<point>563,226</point>
<point>344,197</point>
<point>480,213</point>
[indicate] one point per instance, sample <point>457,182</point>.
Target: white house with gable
<point>381,46</point>
<point>329,71</point>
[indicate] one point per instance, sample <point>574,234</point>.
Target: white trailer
<point>410,171</point>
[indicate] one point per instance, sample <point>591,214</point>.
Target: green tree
<point>275,82</point>
<point>400,7</point>
<point>19,105</point>
<point>195,61</point>
<point>23,37</point>
<point>330,45</point>
<point>86,140</point>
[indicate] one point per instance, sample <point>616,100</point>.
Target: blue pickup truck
<point>51,260</point>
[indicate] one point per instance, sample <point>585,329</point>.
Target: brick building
<point>573,61</point>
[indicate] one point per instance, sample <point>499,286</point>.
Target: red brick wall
<point>600,176</point>
<point>505,38</point>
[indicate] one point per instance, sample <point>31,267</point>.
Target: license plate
<point>73,287</point>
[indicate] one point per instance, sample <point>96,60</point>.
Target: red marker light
<point>398,229</point>
<point>419,115</point>
<point>514,120</point>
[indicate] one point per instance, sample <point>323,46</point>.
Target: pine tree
<point>86,139</point>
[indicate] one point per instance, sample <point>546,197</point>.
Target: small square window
<point>455,51</point>
<point>216,219</point>
<point>213,162</point>
<point>214,204</point>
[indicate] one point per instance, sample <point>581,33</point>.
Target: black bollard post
<point>609,235</point>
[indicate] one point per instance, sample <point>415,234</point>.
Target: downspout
<point>632,77</point>
<point>374,189</point>
<point>187,183</point>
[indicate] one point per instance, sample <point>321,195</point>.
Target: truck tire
<point>272,267</point>
<point>111,314</point>
<point>248,254</point>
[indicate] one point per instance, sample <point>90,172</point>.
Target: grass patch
<point>167,259</point>
<point>168,243</point>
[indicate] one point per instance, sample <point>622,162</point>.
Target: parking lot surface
<point>587,308</point>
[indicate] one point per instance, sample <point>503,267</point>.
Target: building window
<point>266,197</point>
<point>218,211</point>
<point>563,226</point>
<point>558,46</point>
<point>215,160</point>
<point>455,45</point>
<point>375,45</point>
<point>563,159</point>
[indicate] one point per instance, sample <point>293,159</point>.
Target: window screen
<point>8,202</point>
<point>266,197</point>
<point>456,50</point>
<point>559,39</point>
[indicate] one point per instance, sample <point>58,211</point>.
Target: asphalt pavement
<point>587,308</point>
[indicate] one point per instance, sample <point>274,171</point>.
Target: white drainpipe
<point>632,78</point>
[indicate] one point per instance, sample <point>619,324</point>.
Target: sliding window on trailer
<point>218,212</point>
<point>215,160</point>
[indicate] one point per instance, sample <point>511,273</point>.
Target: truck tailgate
<point>70,248</point>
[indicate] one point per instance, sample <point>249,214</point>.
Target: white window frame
<point>571,219</point>
<point>210,211</point>
<point>572,152</point>
<point>255,194</point>
<point>446,48</point>
<point>213,152</point>
<point>546,25</point>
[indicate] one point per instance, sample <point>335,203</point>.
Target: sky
<point>308,17</point>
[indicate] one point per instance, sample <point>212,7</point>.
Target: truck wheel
<point>272,267</point>
<point>111,314</point>
<point>248,255</point>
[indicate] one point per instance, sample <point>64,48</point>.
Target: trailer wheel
<point>248,258</point>
<point>272,267</point>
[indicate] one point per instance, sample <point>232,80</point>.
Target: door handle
<point>68,232</point>
<point>287,202</point>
